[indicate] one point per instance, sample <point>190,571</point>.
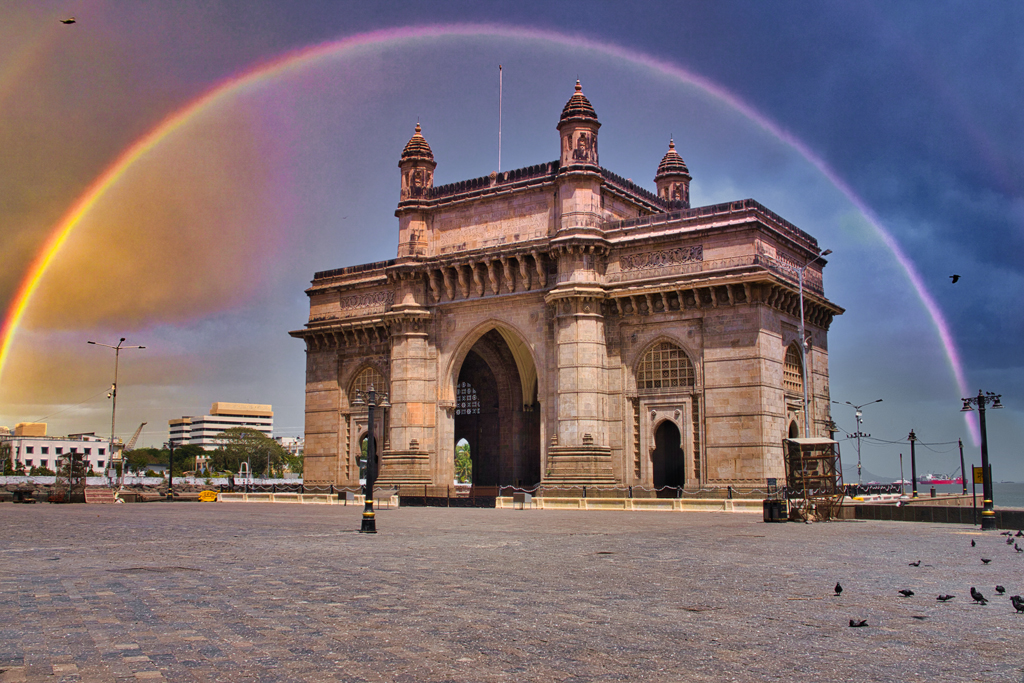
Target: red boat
<point>941,479</point>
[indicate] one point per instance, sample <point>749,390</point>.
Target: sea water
<point>1004,494</point>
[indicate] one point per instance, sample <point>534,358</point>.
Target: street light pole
<point>803,337</point>
<point>858,414</point>
<point>371,399</point>
<point>913,463</point>
<point>113,406</point>
<point>988,514</point>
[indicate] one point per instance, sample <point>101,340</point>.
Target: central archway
<point>667,459</point>
<point>496,415</point>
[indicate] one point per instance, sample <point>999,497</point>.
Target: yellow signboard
<point>208,497</point>
<point>979,478</point>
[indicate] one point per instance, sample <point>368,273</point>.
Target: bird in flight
<point>839,589</point>
<point>915,564</point>
<point>954,278</point>
<point>985,560</point>
<point>857,623</point>
<point>68,21</point>
<point>906,592</point>
<point>945,598</point>
<point>978,597</point>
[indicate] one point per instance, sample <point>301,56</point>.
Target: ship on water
<point>941,479</point>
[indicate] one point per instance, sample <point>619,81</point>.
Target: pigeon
<point>857,623</point>
<point>985,561</point>
<point>915,564</point>
<point>1018,548</point>
<point>906,593</point>
<point>1009,540</point>
<point>1000,590</point>
<point>839,589</point>
<point>1005,533</point>
<point>68,21</point>
<point>978,597</point>
<point>973,543</point>
<point>945,598</point>
<point>954,278</point>
<point>1018,603</point>
<point>1019,534</point>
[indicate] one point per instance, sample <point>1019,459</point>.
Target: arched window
<point>363,381</point>
<point>466,400</point>
<point>665,366</point>
<point>792,371</point>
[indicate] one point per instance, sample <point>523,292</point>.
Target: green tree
<point>463,463</point>
<point>185,457</point>
<point>243,444</point>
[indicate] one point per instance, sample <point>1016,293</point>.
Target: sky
<point>175,172</point>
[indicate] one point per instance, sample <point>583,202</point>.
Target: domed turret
<point>578,130</point>
<point>417,164</point>
<point>673,178</point>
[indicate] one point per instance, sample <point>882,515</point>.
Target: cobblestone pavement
<point>264,592</point>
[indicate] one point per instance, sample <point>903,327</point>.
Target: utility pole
<point>963,472</point>
<point>913,463</point>
<point>858,414</point>
<point>112,395</point>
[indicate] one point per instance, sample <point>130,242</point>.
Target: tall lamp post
<point>803,337</point>
<point>113,397</point>
<point>983,399</point>
<point>858,414</point>
<point>371,399</point>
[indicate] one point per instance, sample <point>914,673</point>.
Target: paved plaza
<point>264,592</point>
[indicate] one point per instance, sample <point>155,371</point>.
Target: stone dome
<point>578,107</point>
<point>671,163</point>
<point>417,148</point>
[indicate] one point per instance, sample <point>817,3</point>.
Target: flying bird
<point>68,21</point>
<point>945,598</point>
<point>857,623</point>
<point>985,560</point>
<point>978,597</point>
<point>839,589</point>
<point>915,564</point>
<point>954,278</point>
<point>1000,590</point>
<point>906,593</point>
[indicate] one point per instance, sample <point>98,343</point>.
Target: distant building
<point>292,444</point>
<point>204,430</point>
<point>31,447</point>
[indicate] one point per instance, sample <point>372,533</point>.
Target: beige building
<point>573,327</point>
<point>205,430</point>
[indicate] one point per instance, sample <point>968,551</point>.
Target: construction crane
<point>130,446</point>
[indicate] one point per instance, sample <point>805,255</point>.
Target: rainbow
<point>303,57</point>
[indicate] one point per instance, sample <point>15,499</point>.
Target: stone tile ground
<point>260,592</point>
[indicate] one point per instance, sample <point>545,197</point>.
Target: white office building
<point>31,447</point>
<point>204,430</point>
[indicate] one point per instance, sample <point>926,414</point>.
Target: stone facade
<point>573,327</point>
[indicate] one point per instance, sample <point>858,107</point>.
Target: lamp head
<point>995,402</point>
<point>359,401</point>
<point>967,406</point>
<point>382,401</point>
<point>826,252</point>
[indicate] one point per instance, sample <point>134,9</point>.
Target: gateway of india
<point>571,326</point>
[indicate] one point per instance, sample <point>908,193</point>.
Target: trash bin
<point>776,511</point>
